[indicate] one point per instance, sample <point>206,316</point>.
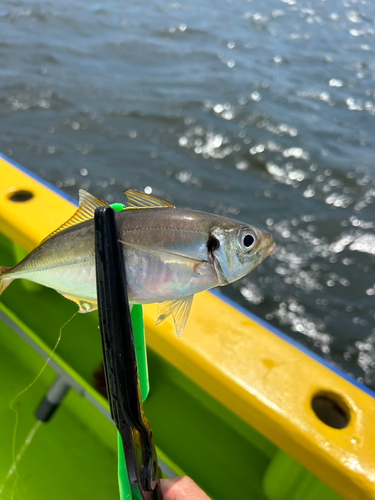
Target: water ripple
<point>257,111</point>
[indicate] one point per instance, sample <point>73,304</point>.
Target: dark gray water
<point>260,110</point>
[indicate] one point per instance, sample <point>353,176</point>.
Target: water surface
<point>262,111</point>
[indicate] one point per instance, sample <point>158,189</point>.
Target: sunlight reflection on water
<point>257,111</point>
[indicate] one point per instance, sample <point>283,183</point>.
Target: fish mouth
<point>271,249</point>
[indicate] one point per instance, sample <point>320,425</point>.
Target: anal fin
<point>179,309</point>
<point>83,304</point>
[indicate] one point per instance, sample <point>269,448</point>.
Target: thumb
<point>181,488</point>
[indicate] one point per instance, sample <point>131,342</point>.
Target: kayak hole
<point>331,409</point>
<point>21,195</point>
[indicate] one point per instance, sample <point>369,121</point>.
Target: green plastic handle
<point>118,207</point>
<point>141,355</point>
<point>140,349</point>
<point>123,480</point>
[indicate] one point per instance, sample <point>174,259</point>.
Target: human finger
<point>181,488</point>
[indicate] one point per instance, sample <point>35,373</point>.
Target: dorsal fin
<point>86,211</point>
<point>136,199</point>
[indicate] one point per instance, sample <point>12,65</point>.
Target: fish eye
<point>247,240</point>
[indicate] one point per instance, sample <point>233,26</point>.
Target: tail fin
<point>4,281</point>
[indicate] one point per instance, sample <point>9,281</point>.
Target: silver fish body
<point>170,254</point>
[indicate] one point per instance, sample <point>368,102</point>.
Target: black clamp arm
<point>120,365</point>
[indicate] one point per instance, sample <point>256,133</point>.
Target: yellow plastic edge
<point>27,223</point>
<point>263,379</point>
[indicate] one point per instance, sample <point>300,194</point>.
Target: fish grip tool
<point>120,365</point>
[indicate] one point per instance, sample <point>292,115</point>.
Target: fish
<point>170,254</point>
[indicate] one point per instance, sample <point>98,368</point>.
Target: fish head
<point>236,249</point>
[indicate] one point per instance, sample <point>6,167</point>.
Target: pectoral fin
<point>179,309</point>
<point>83,304</point>
<point>168,257</point>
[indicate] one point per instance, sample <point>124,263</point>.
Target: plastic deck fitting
<point>53,398</point>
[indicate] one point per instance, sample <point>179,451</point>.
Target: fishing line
<point>16,458</point>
